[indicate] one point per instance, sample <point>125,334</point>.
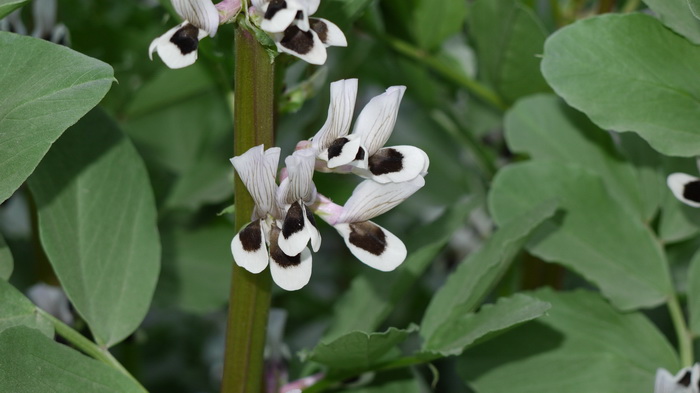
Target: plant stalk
<point>249,298</point>
<point>685,342</point>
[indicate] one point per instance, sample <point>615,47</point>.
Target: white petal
<point>311,6</point>
<point>178,46</point>
<point>299,183</point>
<point>373,245</point>
<point>328,32</point>
<point>201,13</point>
<point>294,235</point>
<point>685,187</point>
<point>370,199</point>
<point>340,110</point>
<point>279,15</point>
<point>343,151</point>
<point>378,117</point>
<point>396,164</point>
<point>249,249</point>
<point>257,169</point>
<point>260,5</point>
<point>290,273</point>
<point>314,234</point>
<point>303,44</point>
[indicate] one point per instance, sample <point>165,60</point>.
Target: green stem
<point>86,346</point>
<point>249,299</point>
<point>685,343</point>
<point>474,87</point>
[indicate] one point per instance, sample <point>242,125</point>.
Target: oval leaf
<point>97,222</point>
<point>45,89</point>
<point>15,310</point>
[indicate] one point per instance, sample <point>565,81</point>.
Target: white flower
<point>294,32</point>
<point>685,187</point>
<point>687,380</point>
<point>363,149</point>
<point>279,232</point>
<point>178,46</point>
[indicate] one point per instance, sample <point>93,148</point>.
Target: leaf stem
<point>685,343</point>
<point>87,346</point>
<point>249,299</point>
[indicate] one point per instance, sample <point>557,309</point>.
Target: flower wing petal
<point>249,249</point>
<point>370,199</point>
<point>178,46</point>
<point>685,188</point>
<point>377,119</point>
<point>373,245</point>
<point>397,164</point>
<point>294,235</point>
<point>328,32</point>
<point>303,44</point>
<point>279,15</point>
<point>289,272</point>
<point>343,151</point>
<point>340,110</point>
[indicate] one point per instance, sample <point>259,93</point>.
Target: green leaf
<point>677,15</point>
<point>546,128</point>
<point>595,236</point>
<point>464,328</point>
<point>678,221</point>
<point>466,288</point>
<point>402,383</point>
<point>629,73</point>
<point>583,346</point>
<point>694,294</point>
<point>373,296</point>
<point>45,89</point>
<point>435,21</point>
<point>358,350</point>
<point>510,39</point>
<point>6,261</point>
<point>34,363</point>
<point>7,6</point>
<point>97,223</point>
<point>16,310</point>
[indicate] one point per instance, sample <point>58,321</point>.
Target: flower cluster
<point>286,21</point>
<point>685,381</point>
<point>283,226</point>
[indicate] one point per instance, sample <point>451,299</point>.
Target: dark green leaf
<point>694,294</point>
<point>45,89</point>
<point>678,16</point>
<point>435,21</point>
<point>6,262</point>
<point>15,309</point>
<point>97,221</point>
<point>7,6</point>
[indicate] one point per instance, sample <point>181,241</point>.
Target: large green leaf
<point>464,328</point>
<point>6,261</point>
<point>546,128</point>
<point>374,295</point>
<point>32,363</point>
<point>435,21</point>
<point>629,73</point>
<point>509,38</point>
<point>45,89</point>
<point>466,288</point>
<point>678,16</point>
<point>583,346</point>
<point>15,309</point>
<point>595,236</point>
<point>694,293</point>
<point>7,6</point>
<point>97,222</point>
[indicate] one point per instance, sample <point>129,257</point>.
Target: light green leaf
<point>546,128</point>
<point>629,73</point>
<point>97,223</point>
<point>583,345</point>
<point>7,6</point>
<point>374,295</point>
<point>464,328</point>
<point>677,15</point>
<point>358,350</point>
<point>694,293</point>
<point>509,39</point>
<point>45,89</point>
<point>595,236</point>
<point>435,21</point>
<point>31,362</point>
<point>16,310</point>
<point>466,288</point>
<point>6,261</point>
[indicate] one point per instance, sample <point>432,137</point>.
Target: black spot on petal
<point>293,221</point>
<point>685,380</point>
<point>278,255</point>
<point>385,161</point>
<point>368,237</point>
<point>250,236</point>
<point>691,191</point>
<point>320,28</point>
<point>274,7</point>
<point>185,38</point>
<point>310,216</point>
<point>360,154</point>
<point>299,15</point>
<point>297,41</point>
<point>336,148</point>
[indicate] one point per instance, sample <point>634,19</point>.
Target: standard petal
<point>303,44</point>
<point>397,164</point>
<point>201,13</point>
<point>178,46</point>
<point>685,187</point>
<point>373,245</point>
<point>257,169</point>
<point>289,272</point>
<point>370,199</point>
<point>294,235</point>
<point>279,15</point>
<point>328,32</point>
<point>249,249</point>
<point>340,110</point>
<point>299,184</point>
<point>343,151</point>
<point>377,119</point>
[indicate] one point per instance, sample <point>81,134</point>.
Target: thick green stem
<point>685,342</point>
<point>249,299</point>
